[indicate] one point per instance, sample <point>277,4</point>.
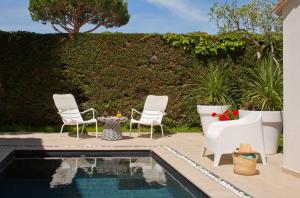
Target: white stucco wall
<point>291,70</point>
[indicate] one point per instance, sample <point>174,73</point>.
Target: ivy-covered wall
<point>108,72</point>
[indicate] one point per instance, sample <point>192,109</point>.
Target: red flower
<point>227,112</point>
<point>224,117</point>
<point>235,113</point>
<point>227,117</point>
<point>214,114</point>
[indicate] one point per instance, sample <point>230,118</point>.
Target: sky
<point>147,16</point>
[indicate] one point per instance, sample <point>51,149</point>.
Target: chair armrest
<point>164,113</point>
<point>67,112</point>
<point>91,109</point>
<point>134,111</point>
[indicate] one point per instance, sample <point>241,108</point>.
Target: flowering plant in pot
<point>214,94</point>
<point>229,114</point>
<point>263,92</point>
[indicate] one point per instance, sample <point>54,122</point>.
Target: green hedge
<point>108,71</point>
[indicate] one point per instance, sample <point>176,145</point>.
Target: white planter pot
<point>205,112</point>
<point>272,127</point>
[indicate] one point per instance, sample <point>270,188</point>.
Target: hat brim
<point>245,152</point>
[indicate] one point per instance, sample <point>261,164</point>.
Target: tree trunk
<point>274,57</point>
<point>72,34</point>
<point>258,54</point>
<point>256,43</point>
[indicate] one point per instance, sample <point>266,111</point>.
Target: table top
<point>112,119</point>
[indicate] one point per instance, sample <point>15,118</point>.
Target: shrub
<point>107,71</point>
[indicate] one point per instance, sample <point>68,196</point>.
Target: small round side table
<point>112,127</point>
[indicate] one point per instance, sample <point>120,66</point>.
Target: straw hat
<point>245,149</point>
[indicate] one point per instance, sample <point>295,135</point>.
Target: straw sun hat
<point>245,149</point>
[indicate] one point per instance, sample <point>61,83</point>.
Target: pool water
<point>92,177</point>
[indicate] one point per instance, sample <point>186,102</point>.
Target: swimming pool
<point>111,174</point>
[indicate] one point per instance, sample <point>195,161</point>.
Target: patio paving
<point>270,182</point>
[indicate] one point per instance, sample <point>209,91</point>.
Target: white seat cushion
<point>74,122</point>
<point>145,122</point>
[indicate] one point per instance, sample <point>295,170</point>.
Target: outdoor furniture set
<point>152,115</point>
<point>221,137</point>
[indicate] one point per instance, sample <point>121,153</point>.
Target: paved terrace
<point>270,182</point>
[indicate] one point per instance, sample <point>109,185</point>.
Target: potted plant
<point>263,92</point>
<point>214,91</point>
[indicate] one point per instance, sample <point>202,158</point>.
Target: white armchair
<point>70,114</point>
<point>224,137</point>
<point>152,115</point>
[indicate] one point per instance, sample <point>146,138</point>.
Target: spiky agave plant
<point>215,86</point>
<point>263,86</point>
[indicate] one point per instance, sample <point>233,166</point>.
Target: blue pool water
<point>105,177</point>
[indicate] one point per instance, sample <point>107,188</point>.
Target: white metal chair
<point>152,115</point>
<point>225,136</point>
<point>70,114</point>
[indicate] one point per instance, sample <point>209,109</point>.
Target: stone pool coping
<point>186,144</point>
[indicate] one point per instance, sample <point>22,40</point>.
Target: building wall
<point>291,70</point>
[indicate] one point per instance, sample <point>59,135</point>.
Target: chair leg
<point>77,127</point>
<point>61,129</point>
<point>93,166</point>
<point>263,158</point>
<point>261,151</point>
<point>96,129</point>
<point>130,128</point>
<point>162,130</point>
<point>82,129</point>
<point>131,167</point>
<point>151,131</point>
<point>139,126</point>
<point>203,151</point>
<point>217,158</point>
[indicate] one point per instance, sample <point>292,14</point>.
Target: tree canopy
<point>256,17</point>
<point>71,15</point>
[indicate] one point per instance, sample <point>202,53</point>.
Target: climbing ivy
<point>207,45</point>
<point>204,44</point>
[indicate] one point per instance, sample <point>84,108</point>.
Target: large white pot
<point>205,112</point>
<point>272,127</point>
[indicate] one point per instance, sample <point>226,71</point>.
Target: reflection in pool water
<point>89,177</point>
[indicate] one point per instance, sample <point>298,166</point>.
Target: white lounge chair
<point>225,136</point>
<point>70,114</point>
<point>152,115</point>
